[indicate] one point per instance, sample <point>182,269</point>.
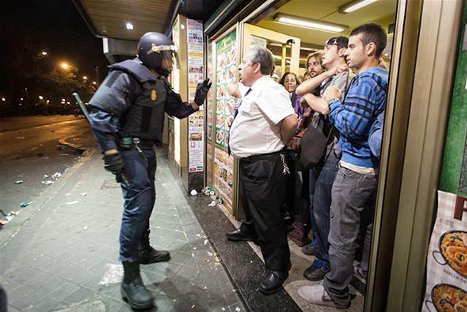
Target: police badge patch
<point>153,95</point>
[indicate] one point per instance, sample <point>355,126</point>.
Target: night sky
<point>53,25</point>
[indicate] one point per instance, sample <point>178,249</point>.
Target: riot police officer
<point>127,117</point>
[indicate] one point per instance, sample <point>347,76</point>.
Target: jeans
<point>352,194</point>
<point>139,197</point>
<point>322,206</point>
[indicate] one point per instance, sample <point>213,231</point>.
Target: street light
<point>41,97</point>
<point>85,78</point>
<point>64,65</point>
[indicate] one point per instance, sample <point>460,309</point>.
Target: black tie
<point>241,99</point>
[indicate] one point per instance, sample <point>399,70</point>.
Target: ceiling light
<point>354,6</point>
<point>129,26</point>
<point>309,23</point>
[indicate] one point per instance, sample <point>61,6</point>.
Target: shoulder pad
<point>136,69</point>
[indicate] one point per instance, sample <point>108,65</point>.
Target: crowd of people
<point>343,94</point>
<point>331,202</point>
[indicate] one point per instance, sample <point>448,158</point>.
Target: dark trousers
<point>139,197</point>
<point>262,188</point>
<point>322,205</point>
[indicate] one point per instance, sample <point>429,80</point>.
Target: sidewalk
<point>62,256</point>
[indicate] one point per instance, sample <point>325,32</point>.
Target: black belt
<point>262,156</point>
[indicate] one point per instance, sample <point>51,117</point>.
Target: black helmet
<point>153,47</point>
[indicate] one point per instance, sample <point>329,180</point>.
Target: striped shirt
<point>353,118</point>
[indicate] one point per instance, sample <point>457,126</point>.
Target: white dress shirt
<point>256,128</point>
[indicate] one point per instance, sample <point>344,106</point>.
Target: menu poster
<point>195,75</point>
<point>446,288</point>
<point>226,67</point>
<point>223,174</point>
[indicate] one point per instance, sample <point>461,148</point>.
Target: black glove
<point>114,163</point>
<point>202,91</point>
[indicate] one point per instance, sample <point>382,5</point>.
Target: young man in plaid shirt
<point>356,181</point>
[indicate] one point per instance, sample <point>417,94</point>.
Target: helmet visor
<point>167,52</point>
<point>171,55</point>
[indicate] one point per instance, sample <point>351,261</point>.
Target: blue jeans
<point>322,206</point>
<point>352,194</point>
<point>139,197</point>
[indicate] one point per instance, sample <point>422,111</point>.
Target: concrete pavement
<point>61,253</point>
<point>62,256</point>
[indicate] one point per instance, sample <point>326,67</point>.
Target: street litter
<point>213,203</point>
<point>19,182</point>
<point>45,176</point>
<point>193,192</point>
<point>25,204</point>
<point>48,182</point>
<point>7,217</point>
<point>72,203</point>
<point>56,175</point>
<point>84,194</point>
<point>208,191</point>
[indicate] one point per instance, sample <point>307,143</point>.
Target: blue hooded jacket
<point>354,117</point>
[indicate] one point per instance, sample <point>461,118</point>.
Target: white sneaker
<point>317,295</point>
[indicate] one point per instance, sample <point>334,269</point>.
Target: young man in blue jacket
<point>356,181</point>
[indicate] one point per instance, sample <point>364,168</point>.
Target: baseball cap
<point>340,41</point>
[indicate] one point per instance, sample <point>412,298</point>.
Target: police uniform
<point>127,113</point>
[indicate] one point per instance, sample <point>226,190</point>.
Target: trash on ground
<point>193,192</point>
<point>212,204</point>
<point>45,176</point>
<point>7,217</point>
<point>72,202</point>
<point>25,204</point>
<point>208,191</point>
<point>84,194</point>
<point>56,175</point>
<point>48,182</point>
<point>19,182</point>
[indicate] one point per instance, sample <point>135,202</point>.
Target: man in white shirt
<point>264,124</point>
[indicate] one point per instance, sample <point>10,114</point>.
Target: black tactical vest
<point>145,117</point>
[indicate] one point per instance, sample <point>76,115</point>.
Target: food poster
<point>226,69</point>
<point>447,257</point>
<point>223,175</point>
<point>195,50</point>
<point>210,114</point>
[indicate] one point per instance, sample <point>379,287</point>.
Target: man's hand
<point>113,163</point>
<point>332,93</point>
<point>202,91</point>
<point>338,69</point>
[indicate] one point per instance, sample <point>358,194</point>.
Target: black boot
<point>151,255</point>
<point>148,254</point>
<point>133,290</point>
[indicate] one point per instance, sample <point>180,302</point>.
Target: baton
<point>121,177</point>
<point>82,106</point>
